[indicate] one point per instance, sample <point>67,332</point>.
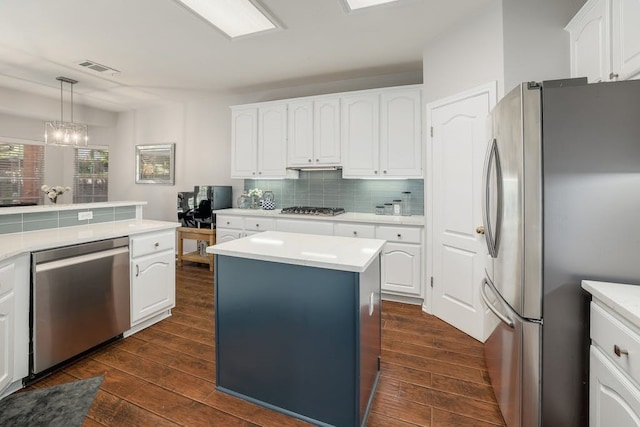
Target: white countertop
<point>17,243</point>
<point>66,207</point>
<point>415,220</point>
<point>622,298</point>
<point>331,252</point>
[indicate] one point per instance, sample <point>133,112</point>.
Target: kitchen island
<point>298,324</point>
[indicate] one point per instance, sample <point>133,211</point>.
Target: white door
<point>590,42</point>
<point>152,285</point>
<point>360,135</point>
<point>401,133</point>
<point>326,131</point>
<point>300,136</point>
<point>459,254</point>
<point>6,340</point>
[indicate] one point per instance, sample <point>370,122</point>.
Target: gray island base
<point>300,336</point>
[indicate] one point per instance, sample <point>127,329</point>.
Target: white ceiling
<point>163,51</point>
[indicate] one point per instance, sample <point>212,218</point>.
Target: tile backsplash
<point>329,189</point>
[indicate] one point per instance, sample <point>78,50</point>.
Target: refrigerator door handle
<point>486,205</point>
<point>483,293</point>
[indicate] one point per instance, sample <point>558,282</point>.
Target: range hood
<point>315,168</point>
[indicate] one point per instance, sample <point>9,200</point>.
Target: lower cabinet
<point>153,271</point>
<point>401,268</point>
<point>614,371</point>
<point>613,400</point>
<point>6,339</point>
<point>226,235</point>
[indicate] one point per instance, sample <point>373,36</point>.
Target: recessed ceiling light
<point>234,17</point>
<point>361,4</point>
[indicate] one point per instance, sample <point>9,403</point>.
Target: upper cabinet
<point>605,40</point>
<point>382,134</point>
<point>259,141</point>
<point>314,132</point>
<point>373,133</point>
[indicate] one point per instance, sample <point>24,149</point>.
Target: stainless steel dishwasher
<point>80,299</point>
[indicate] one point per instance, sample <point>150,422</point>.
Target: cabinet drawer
<point>259,224</point>
<point>6,278</point>
<point>152,243</point>
<point>227,221</point>
<point>399,234</point>
<point>324,228</point>
<point>355,230</point>
<point>609,333</point>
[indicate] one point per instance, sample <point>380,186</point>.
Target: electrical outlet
<point>85,215</point>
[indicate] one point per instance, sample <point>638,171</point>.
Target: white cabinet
<point>614,371</point>
<point>152,275</point>
<point>259,141</point>
<point>360,122</point>
<point>324,228</point>
<point>227,235</point>
<point>605,40</point>
<point>348,229</point>
<point>314,132</point>
<point>382,134</point>
<point>625,33</point>
<point>7,330</point>
<point>401,133</point>
<point>401,267</point>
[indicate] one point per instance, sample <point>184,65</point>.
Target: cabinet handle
<point>399,236</point>
<point>384,171</point>
<point>137,270</point>
<point>156,244</point>
<point>309,160</point>
<point>253,173</point>
<point>227,222</point>
<point>376,172</point>
<point>355,233</point>
<point>613,76</point>
<point>260,173</point>
<point>317,160</point>
<point>257,225</point>
<point>620,351</point>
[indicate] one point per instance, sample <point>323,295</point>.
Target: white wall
<point>465,56</point>
<point>536,46</point>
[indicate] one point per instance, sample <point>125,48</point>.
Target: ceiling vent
<point>99,68</point>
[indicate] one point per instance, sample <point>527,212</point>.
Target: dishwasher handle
<point>66,262</point>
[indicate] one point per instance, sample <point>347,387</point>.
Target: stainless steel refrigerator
<point>561,204</point>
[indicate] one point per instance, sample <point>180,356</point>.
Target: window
<point>91,178</point>
<point>21,173</point>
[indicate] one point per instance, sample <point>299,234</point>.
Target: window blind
<point>91,176</point>
<point>21,173</point>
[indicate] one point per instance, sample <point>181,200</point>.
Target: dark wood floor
<point>431,374</point>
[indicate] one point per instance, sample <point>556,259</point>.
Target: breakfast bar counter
<point>298,324</point>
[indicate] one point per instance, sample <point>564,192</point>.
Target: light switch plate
<point>85,215</point>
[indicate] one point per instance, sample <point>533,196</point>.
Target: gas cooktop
<point>309,210</point>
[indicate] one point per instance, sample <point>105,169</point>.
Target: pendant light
<point>66,133</point>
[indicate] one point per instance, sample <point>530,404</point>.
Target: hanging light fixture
<point>66,133</point>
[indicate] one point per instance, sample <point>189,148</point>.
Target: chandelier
<point>66,133</point>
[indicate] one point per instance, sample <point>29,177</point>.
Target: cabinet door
<point>401,134</point>
<point>626,38</point>
<point>590,42</point>
<point>300,136</point>
<point>326,131</point>
<point>152,285</point>
<point>6,340</point>
<point>401,268</point>
<point>272,141</point>
<point>613,400</point>
<point>360,135</point>
<point>244,140</point>
<point>224,235</point>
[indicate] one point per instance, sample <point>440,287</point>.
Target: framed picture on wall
<point>155,164</point>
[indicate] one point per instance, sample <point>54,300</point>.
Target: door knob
<point>480,230</point>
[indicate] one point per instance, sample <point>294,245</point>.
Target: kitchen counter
<point>624,299</point>
<point>331,252</point>
<point>17,243</point>
<point>418,220</point>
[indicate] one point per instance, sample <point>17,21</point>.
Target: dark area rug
<point>61,405</point>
